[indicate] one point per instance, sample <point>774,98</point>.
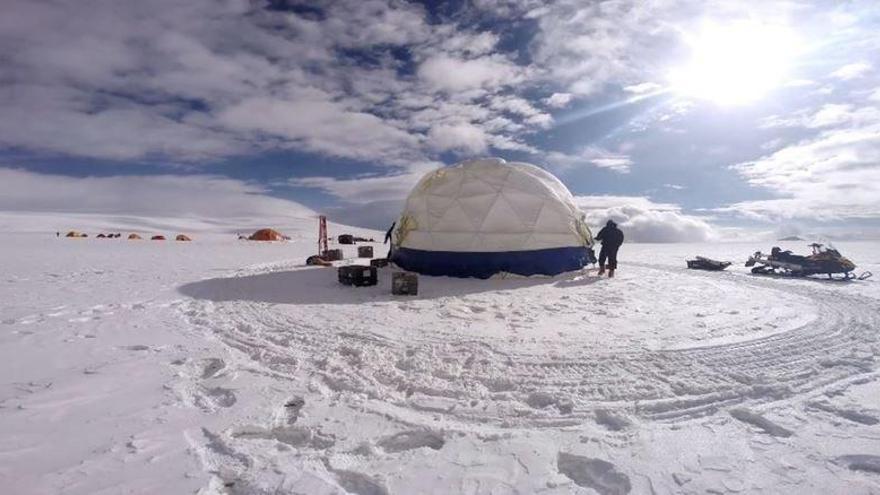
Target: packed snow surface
<point>226,366</point>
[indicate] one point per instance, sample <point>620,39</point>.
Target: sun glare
<point>736,63</point>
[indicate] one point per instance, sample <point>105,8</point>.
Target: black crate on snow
<point>404,284</point>
<point>346,239</point>
<point>365,251</point>
<point>332,255</point>
<point>379,262</point>
<point>358,275</point>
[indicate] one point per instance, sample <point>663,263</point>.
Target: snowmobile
<point>823,261</point>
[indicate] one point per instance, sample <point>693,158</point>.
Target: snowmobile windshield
<point>830,249</point>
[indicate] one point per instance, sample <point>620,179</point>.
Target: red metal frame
<point>323,245</point>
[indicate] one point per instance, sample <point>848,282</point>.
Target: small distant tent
<point>267,235</point>
<point>74,233</point>
<point>133,237</point>
<point>157,238</point>
<point>181,237</point>
<point>101,236</point>
<point>483,217</point>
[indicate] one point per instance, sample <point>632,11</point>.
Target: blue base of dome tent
<point>483,265</point>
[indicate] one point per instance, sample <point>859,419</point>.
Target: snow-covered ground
<point>223,366</point>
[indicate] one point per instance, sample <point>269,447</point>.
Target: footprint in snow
<point>211,367</point>
<point>601,476</point>
<point>292,408</point>
<point>212,398</point>
<point>413,439</point>
<point>849,414</point>
<point>860,462</point>
<point>755,419</point>
<point>295,436</point>
<point>611,420</point>
<point>355,482</point>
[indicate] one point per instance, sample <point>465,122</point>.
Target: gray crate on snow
<point>357,275</point>
<point>365,251</point>
<point>332,255</point>
<point>404,284</point>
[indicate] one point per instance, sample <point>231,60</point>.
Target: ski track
<point>491,381</point>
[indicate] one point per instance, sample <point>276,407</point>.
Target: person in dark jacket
<point>611,238</point>
<point>388,239</point>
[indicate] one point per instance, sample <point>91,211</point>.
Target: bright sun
<point>735,63</point>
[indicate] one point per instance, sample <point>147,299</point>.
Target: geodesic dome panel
<point>493,211</point>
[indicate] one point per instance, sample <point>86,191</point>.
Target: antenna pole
<point>322,235</point>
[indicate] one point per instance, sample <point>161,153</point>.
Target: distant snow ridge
<point>415,355</point>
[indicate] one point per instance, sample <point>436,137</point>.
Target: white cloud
<point>518,106</point>
<point>852,71</point>
<point>321,125</point>
<point>468,44</point>
<point>605,201</point>
<point>832,175</point>
<point>827,116</point>
<point>558,100</point>
<point>367,189</point>
<point>460,137</point>
<point>643,220</point>
<point>593,155</point>
<point>584,46</point>
<point>132,81</point>
<point>642,88</point>
<point>194,196</point>
<point>448,73</point>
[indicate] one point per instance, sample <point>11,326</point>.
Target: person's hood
<point>611,224</point>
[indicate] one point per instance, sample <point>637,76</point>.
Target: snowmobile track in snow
<point>489,381</point>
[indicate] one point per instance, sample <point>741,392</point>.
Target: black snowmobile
<point>823,261</point>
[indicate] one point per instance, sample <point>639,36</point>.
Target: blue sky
<point>683,120</point>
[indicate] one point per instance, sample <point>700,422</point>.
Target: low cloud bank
<point>643,220</point>
<point>192,196</point>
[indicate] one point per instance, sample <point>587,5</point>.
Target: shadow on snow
<point>320,286</point>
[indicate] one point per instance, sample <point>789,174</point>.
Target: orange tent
<point>181,237</point>
<point>266,235</point>
<point>133,237</point>
<point>74,233</point>
<point>157,238</point>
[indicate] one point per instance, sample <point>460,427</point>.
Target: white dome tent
<point>486,216</point>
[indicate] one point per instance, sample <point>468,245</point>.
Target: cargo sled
<point>701,263</point>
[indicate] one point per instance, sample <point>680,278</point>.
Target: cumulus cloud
<point>852,71</point>
<point>456,74</point>
<point>828,115</point>
<point>193,196</point>
<point>832,175</point>
<point>592,155</point>
<point>367,189</point>
<point>462,137</point>
<point>318,124</point>
<point>132,81</point>
<point>642,88</point>
<point>643,220</point>
<point>558,100</point>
